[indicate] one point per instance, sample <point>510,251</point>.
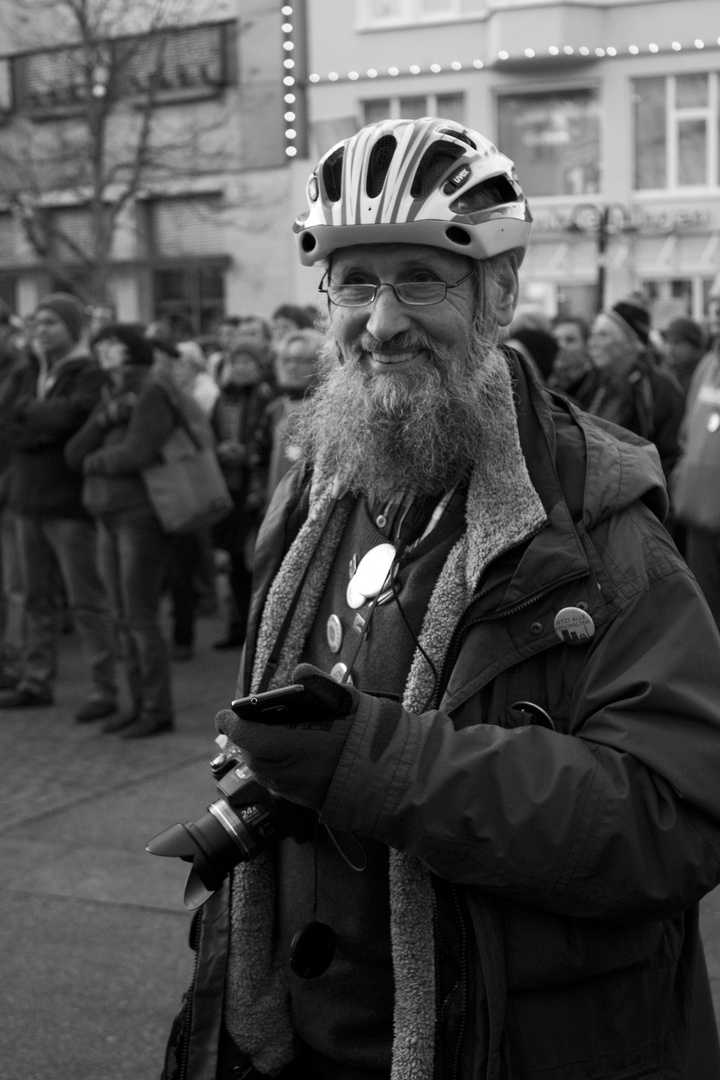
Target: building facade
<point>203,231</point>
<point>609,108</point>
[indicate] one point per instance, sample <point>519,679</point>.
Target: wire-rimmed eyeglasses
<point>414,293</point>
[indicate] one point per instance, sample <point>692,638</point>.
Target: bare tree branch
<point>98,123</point>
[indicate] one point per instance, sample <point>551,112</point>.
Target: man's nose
<point>388,316</point>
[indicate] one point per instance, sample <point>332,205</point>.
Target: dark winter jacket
<point>566,855</point>
<point>124,434</point>
<point>36,430</point>
<point>650,403</point>
<point>237,418</point>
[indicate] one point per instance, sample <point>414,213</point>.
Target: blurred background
<point>153,153</point>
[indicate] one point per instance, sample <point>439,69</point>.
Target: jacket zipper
<point>463,983</point>
<point>187,1023</point>
<point>440,1006</point>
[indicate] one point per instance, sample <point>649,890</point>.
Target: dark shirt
<point>345,1016</point>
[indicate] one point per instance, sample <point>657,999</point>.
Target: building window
<point>188,226</point>
<point>187,241</point>
<point>677,131</point>
<point>190,298</point>
<point>449,106</point>
<point>378,12</point>
<point>554,140</point>
<point>172,65</point>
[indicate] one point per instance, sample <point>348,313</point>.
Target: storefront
<point>669,250</point>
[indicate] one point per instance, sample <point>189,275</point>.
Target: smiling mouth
<point>389,359</point>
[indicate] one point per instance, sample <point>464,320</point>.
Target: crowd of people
<point>87,403</point>
<point>645,379</point>
<point>84,409</point>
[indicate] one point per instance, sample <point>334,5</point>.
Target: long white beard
<point>415,431</point>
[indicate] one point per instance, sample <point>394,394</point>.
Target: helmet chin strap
<point>486,316</point>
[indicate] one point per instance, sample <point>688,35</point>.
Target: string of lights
<point>503,55</point>
<point>491,61</point>
<point>289,80</point>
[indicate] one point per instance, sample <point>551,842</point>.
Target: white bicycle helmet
<point>426,181</point>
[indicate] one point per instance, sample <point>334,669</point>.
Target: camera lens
<point>234,829</point>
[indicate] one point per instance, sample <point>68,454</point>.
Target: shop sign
<point>647,219</point>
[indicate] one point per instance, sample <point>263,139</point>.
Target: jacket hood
<point>629,467</point>
<point>596,467</point>
<point>584,471</point>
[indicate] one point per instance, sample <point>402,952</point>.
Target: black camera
<point>243,822</point>
<point>234,829</point>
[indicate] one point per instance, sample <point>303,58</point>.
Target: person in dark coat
<point>123,435</point>
<point>497,806</point>
<point>627,385</point>
<point>684,348</point>
<point>43,403</point>
<point>572,363</point>
<point>237,421</point>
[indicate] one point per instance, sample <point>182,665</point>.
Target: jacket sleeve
<point>90,436</point>
<point>52,420</point>
<point>668,420</point>
<point>620,818</point>
<point>152,421</point>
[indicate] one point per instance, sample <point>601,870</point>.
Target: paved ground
<point>93,953</point>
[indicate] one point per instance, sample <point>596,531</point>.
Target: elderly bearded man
<point>507,809</point>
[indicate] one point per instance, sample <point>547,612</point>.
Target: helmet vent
<point>459,236</point>
<point>462,135</point>
<point>380,157</point>
<point>434,164</point>
<point>493,192</point>
<point>332,174</point>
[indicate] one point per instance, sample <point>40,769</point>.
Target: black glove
<point>298,763</point>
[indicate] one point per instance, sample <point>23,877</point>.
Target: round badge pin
<point>573,625</point>
<point>338,671</point>
<point>371,575</point>
<point>334,633</point>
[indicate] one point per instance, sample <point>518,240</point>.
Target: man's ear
<point>507,291</point>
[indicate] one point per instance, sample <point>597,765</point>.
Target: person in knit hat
<point>633,312</point>
<point>496,805</point>
<point>627,385</point>
<point>123,435</point>
<point>67,308</point>
<point>684,342</point>
<point>43,403</point>
<point>237,420</point>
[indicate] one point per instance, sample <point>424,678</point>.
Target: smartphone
<point>286,705</point>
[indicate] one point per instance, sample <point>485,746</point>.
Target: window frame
<point>674,116</point>
<point>594,92</point>
<point>395,100</point>
<point>409,11</point>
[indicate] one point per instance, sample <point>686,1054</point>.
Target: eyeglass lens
<point>409,292</point>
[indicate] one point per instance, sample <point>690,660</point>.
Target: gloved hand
<point>298,763</point>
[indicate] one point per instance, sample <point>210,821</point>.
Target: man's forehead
<point>400,258</point>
